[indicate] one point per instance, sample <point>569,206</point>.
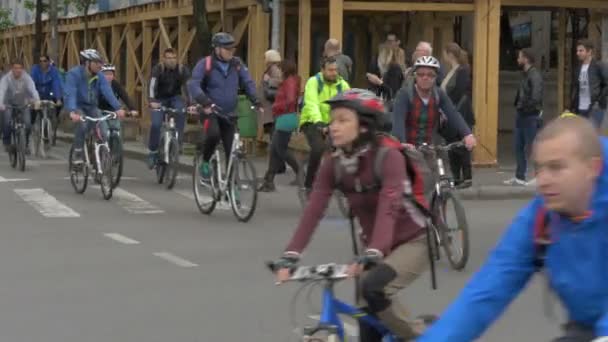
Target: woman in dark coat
<point>458,86</point>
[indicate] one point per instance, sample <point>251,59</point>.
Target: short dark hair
<point>169,50</point>
<point>45,57</point>
<point>17,62</point>
<point>289,68</point>
<point>586,43</point>
<point>527,53</point>
<point>328,60</point>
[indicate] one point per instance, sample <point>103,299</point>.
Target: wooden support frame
<point>379,6</point>
<point>561,60</point>
<point>336,19</point>
<point>304,33</point>
<point>591,4</point>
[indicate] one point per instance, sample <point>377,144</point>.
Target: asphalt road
<point>146,266</point>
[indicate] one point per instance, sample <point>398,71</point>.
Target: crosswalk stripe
<point>46,204</point>
<point>175,259</point>
<point>135,204</point>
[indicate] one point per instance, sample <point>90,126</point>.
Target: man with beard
<point>529,105</point>
<point>167,89</point>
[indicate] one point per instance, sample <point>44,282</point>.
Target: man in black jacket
<point>529,105</point>
<point>590,86</point>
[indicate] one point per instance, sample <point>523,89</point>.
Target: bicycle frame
<point>45,121</point>
<point>98,142</point>
<point>223,181</point>
<point>169,131</point>
<point>332,307</point>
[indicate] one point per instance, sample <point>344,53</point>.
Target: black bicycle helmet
<point>369,107</point>
<point>222,39</point>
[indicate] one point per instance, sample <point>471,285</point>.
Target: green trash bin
<point>248,118</point>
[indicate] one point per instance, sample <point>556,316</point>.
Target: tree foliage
<point>5,18</point>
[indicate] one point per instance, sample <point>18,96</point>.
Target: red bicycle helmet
<point>369,107</point>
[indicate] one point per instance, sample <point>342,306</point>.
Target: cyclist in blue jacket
<point>215,81</point>
<point>572,212</point>
<point>84,85</point>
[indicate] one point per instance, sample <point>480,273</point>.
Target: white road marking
<point>6,180</point>
<point>121,238</point>
<point>349,329</point>
<point>46,204</point>
<point>133,203</point>
<point>175,259</point>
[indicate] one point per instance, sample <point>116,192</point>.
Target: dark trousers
<point>526,127</point>
<point>576,333</point>
<point>595,114</point>
<point>214,129</point>
<point>316,141</point>
<point>460,163</point>
<point>280,154</point>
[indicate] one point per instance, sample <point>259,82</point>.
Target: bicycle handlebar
<point>172,110</point>
<point>48,102</point>
<point>440,147</point>
<point>329,271</point>
<point>109,116</point>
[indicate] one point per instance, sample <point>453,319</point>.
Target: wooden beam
<point>182,35</point>
<point>428,29</point>
<point>187,45</point>
<point>282,31</point>
<point>131,70</point>
<point>217,27</point>
<point>163,31</point>
<point>147,49</point>
<point>490,142</point>
<point>336,19</point>
<point>117,43</point>
<point>597,4</point>
<point>561,60</point>
<point>223,14</point>
<point>259,33</point>
<point>101,45</point>
<point>379,6</point>
<point>239,30</point>
<point>304,33</point>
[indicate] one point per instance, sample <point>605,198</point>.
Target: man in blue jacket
<point>84,85</point>
<point>49,85</point>
<point>564,231</point>
<point>215,81</point>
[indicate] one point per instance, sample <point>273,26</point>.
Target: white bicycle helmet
<point>428,62</point>
<point>108,67</point>
<point>91,55</point>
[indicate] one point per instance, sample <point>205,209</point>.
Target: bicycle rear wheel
<point>12,151</point>
<point>79,174</point>
<point>117,158</point>
<point>173,165</point>
<point>204,191</point>
<point>455,230</point>
<point>21,146</point>
<point>37,137</point>
<point>105,166</point>
<point>243,189</point>
<point>48,134</point>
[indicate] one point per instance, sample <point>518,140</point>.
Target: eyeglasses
<point>426,75</point>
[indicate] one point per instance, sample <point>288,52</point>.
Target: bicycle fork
<point>170,134</point>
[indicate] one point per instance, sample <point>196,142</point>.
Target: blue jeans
<point>6,124</point>
<point>82,128</point>
<point>157,116</point>
<point>596,115</point>
<point>525,132</point>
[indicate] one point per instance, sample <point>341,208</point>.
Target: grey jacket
<point>598,82</point>
<point>17,92</point>
<point>529,98</point>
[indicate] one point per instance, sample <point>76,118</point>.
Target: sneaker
<point>515,181</point>
<point>204,171</point>
<point>152,160</point>
<point>78,157</point>
<point>531,182</point>
<point>267,187</point>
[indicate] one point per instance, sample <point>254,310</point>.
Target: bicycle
<point>444,193</point>
<point>43,131</point>
<point>18,145</point>
<point>168,153</point>
<point>303,191</point>
<point>98,146</point>
<point>116,151</point>
<point>229,183</point>
<point>330,327</point>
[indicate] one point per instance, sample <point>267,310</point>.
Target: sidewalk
<point>487,182</point>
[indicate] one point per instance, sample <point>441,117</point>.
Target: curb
<point>479,192</point>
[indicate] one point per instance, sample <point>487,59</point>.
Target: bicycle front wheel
<point>204,189</point>
<point>37,137</point>
<point>117,158</point>
<point>161,167</point>
<point>243,189</point>
<point>79,174</point>
<point>21,146</point>
<point>455,232</point>
<point>172,166</point>
<point>105,166</point>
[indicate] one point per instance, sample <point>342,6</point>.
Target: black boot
<point>268,183</point>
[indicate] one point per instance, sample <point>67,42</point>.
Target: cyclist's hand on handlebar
<point>208,109</point>
<point>36,105</point>
<point>409,146</point>
<point>2,107</point>
<point>355,269</point>
<point>283,275</point>
<point>58,103</point>
<point>470,141</point>
<point>133,113</point>
<point>121,113</point>
<point>75,116</point>
<point>154,105</point>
